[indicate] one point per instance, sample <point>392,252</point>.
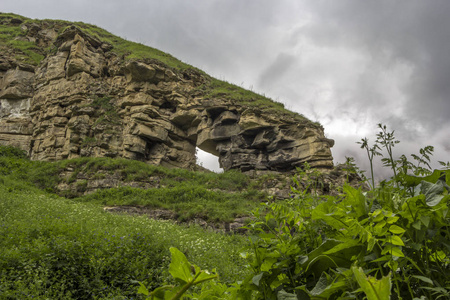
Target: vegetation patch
<point>209,196</point>
<point>215,88</point>
<point>186,200</point>
<point>54,248</point>
<point>12,36</point>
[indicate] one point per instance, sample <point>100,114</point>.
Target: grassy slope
<point>210,196</point>
<point>53,246</point>
<point>213,88</point>
<point>24,51</point>
<point>59,248</point>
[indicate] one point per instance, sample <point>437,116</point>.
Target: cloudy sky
<point>349,64</point>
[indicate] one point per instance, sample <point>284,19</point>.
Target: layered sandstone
<point>83,99</point>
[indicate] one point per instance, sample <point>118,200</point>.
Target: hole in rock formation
<point>208,161</point>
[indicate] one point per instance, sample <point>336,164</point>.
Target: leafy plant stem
<point>396,285</point>
<point>185,287</point>
<point>410,290</point>
<point>371,152</point>
<point>387,140</point>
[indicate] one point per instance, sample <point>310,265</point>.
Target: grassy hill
<point>213,197</point>
<point>58,248</point>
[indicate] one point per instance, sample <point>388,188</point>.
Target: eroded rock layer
<point>82,99</point>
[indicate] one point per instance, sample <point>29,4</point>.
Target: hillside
<point>71,90</point>
<point>56,248</point>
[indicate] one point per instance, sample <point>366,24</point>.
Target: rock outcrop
<point>85,99</point>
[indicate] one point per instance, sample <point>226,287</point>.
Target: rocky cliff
<point>70,90</point>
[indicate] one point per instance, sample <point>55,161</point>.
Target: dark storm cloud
<point>396,32</point>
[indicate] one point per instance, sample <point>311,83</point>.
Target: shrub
<point>12,152</point>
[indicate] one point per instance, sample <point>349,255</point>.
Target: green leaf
<point>378,218</point>
<point>424,279</point>
<point>380,226</point>
<point>143,289</point>
<point>180,268</point>
<point>396,229</point>
<point>417,225</point>
<point>395,240</point>
<point>433,192</point>
<point>325,287</point>
<point>319,262</point>
<point>161,292</point>
<point>371,243</point>
<point>376,213</point>
<point>324,212</point>
<point>425,220</point>
<point>392,219</point>
<point>356,200</point>
<point>396,251</point>
<point>321,285</point>
<point>348,243</point>
<point>436,290</point>
<point>267,264</point>
<point>373,288</point>
<point>383,258</point>
<point>411,181</point>
<point>257,278</point>
<point>171,294</point>
<point>205,276</point>
<point>392,250</point>
<point>302,259</point>
<point>282,295</point>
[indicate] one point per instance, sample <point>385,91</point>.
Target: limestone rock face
<point>85,100</point>
<point>15,98</point>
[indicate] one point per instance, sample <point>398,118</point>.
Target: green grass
<point>54,248</point>
<point>218,89</point>
<point>12,16</point>
<point>129,49</point>
<point>186,200</point>
<point>210,196</point>
<point>59,248</point>
<point>25,51</point>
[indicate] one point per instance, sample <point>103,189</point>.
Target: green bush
<point>12,152</point>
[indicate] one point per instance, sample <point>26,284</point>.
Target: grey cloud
<point>415,32</point>
<point>274,72</point>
